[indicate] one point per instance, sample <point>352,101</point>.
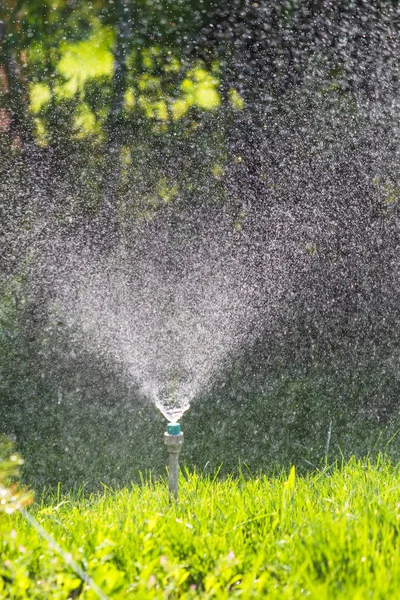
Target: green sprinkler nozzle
<point>173,428</point>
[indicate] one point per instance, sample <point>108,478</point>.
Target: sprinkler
<point>173,439</point>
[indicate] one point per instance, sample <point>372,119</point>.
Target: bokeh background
<point>266,132</point>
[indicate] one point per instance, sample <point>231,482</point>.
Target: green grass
<point>331,534</point>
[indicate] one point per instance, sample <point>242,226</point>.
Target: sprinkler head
<point>173,428</point>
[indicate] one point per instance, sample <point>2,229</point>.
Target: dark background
<point>295,149</point>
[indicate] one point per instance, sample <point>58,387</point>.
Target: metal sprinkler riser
<point>173,439</point>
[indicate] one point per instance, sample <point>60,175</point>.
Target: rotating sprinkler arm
<point>173,439</point>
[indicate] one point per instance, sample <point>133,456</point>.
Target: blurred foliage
<point>53,52</point>
<point>12,498</point>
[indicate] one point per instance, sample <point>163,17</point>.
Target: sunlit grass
<point>331,534</point>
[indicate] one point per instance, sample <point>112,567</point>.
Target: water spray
<point>173,439</point>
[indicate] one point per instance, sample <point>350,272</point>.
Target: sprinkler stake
<point>173,439</point>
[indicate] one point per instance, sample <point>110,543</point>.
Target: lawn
<point>330,534</point>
